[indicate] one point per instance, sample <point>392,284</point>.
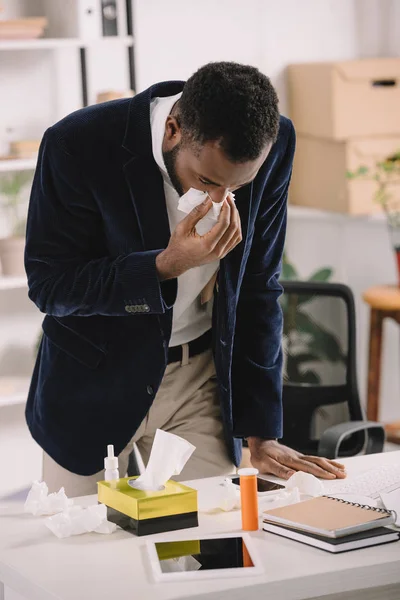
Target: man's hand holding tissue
<point>269,456</point>
<point>187,249</point>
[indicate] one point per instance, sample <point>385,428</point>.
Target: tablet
<point>211,556</point>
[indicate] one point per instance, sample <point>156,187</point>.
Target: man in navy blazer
<point>119,271</point>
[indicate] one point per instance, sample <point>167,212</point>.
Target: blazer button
<point>150,390</point>
<point>146,308</point>
<point>128,309</point>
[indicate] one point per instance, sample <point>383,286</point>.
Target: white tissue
<point>179,564</point>
<point>77,520</point>
<point>306,483</point>
<point>193,198</point>
<point>67,519</point>
<point>40,502</point>
<point>223,497</point>
<point>283,498</point>
<point>168,456</point>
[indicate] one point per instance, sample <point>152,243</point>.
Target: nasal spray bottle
<point>249,498</point>
<point>111,465</point>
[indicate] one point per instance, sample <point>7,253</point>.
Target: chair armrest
<point>332,437</point>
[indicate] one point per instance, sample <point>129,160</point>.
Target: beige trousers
<point>187,405</point>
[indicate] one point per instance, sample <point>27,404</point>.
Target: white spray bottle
<point>111,465</point>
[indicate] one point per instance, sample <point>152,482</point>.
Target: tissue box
<point>143,512</point>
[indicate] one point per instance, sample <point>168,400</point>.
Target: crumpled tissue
<point>169,454</point>
<point>77,520</point>
<point>39,502</point>
<point>179,564</point>
<point>222,497</point>
<point>193,198</point>
<point>306,483</point>
<point>283,498</point>
<point>298,487</point>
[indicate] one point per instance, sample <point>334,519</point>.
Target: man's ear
<point>173,132</point>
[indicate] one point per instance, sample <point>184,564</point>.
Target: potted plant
<point>12,246</point>
<point>306,341</point>
<point>386,176</point>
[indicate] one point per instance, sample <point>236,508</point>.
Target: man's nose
<point>219,194</point>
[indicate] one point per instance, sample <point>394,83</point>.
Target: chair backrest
<point>320,382</point>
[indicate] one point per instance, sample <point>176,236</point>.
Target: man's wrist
<point>255,440</point>
<point>162,266</point>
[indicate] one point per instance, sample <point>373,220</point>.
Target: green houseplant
<point>307,343</point>
<point>12,186</point>
<point>386,176</point>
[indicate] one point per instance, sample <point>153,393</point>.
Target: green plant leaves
<point>288,270</point>
<point>322,274</point>
<point>321,342</point>
<point>11,185</point>
<point>362,170</point>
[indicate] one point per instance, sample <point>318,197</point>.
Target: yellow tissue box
<point>144,512</point>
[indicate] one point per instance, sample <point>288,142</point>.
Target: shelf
<point>52,43</point>
<point>18,164</point>
<point>12,283</point>
<point>13,390</point>
<point>311,214</point>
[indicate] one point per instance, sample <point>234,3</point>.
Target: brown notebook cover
<point>329,517</point>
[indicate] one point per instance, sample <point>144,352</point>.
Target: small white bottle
<point>111,465</point>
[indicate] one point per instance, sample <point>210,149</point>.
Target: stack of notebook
<point>332,524</point>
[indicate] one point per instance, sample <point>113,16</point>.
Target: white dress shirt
<point>190,318</point>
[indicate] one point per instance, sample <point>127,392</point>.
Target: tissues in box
<point>145,512</point>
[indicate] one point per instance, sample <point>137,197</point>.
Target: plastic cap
<point>247,472</point>
<point>110,461</point>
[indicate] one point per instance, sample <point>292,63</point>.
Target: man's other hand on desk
<point>269,456</point>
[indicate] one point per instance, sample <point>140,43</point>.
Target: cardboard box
<point>341,100</point>
<point>319,174</point>
<point>144,513</point>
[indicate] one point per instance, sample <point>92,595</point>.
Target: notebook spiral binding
<point>366,506</point>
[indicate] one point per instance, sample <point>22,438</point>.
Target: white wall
<point>175,38</point>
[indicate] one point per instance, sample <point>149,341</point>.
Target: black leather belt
<point>197,346</point>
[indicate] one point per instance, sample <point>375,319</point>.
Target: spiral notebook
<point>329,517</point>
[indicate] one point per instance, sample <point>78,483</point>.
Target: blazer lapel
<point>232,266</point>
<point>142,174</point>
<point>147,193</point>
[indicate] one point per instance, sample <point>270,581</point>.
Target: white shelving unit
<point>54,43</point>
<point>19,164</point>
<point>42,81</point>
<point>12,283</point>
<point>13,390</point>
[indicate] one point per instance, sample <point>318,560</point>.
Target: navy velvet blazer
<point>97,220</point>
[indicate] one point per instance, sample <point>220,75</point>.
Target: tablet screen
<point>203,554</point>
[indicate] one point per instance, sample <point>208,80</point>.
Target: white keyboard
<point>371,483</point>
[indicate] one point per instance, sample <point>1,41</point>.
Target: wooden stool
<point>385,304</point>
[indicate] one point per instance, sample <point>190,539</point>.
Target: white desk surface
<point>39,566</point>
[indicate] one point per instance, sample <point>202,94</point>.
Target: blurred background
<point>336,67</point>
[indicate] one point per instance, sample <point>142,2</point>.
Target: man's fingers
<point>328,465</point>
<point>233,235</point>
<point>215,234</point>
<point>232,244</point>
<point>272,467</point>
<point>302,464</point>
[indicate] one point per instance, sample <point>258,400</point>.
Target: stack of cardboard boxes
<point>346,115</point>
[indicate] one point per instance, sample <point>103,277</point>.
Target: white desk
<point>41,567</point>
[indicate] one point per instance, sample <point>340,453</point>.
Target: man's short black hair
<point>233,104</point>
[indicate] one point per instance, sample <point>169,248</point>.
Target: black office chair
<point>322,414</point>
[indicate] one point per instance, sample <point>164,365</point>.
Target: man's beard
<point>170,162</point>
